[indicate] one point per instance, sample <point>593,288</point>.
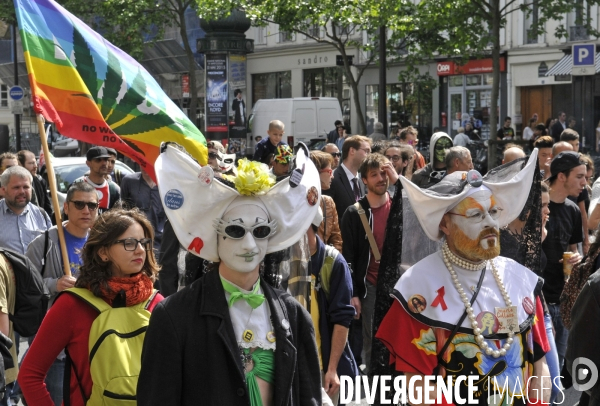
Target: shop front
<point>466,94</point>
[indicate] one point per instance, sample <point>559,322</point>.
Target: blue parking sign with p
<point>584,54</point>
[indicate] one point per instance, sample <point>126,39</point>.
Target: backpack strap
<point>113,193</point>
<point>84,294</point>
<point>46,238</point>
<point>325,274</point>
<point>368,231</point>
<point>67,381</point>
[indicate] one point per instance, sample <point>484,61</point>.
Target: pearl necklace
<point>451,259</point>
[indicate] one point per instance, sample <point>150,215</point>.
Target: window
<point>286,36</point>
<point>274,85</point>
<point>329,82</point>
<point>344,30</point>
<point>408,104</point>
<point>578,20</point>
<point>314,30</point>
<point>261,36</point>
<point>3,96</point>
<point>531,19</point>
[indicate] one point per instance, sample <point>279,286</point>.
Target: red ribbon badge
<point>439,299</point>
<point>196,245</point>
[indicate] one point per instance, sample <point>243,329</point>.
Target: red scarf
<point>137,288</point>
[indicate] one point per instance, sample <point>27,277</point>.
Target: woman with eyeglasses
<point>118,266</point>
<point>329,230</point>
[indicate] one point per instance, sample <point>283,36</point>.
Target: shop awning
<point>565,65</point>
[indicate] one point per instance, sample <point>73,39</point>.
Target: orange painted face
<point>474,227</point>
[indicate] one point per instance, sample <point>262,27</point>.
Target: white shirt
<point>350,175</point>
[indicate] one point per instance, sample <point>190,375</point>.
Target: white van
<point>305,118</point>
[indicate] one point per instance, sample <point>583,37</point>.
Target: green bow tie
<point>253,298</point>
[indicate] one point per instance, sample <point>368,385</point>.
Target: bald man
<point>561,146</point>
<point>512,154</point>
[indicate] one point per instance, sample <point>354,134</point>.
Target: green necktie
<point>253,298</point>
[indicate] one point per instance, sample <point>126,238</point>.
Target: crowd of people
<point>292,258</point>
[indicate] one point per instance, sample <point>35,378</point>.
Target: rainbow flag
<point>94,92</point>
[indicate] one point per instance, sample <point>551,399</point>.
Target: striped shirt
<point>18,230</point>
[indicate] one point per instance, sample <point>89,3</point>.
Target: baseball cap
<point>97,152</point>
<point>283,154</point>
<point>112,151</point>
<point>563,162</point>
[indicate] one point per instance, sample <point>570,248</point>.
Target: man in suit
<point>558,127</point>
<point>239,108</point>
<point>346,188</point>
<point>333,134</point>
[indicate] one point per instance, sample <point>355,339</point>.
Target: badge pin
<point>206,175</point>
<point>173,199</point>
<point>417,304</point>
<point>296,176</point>
<point>488,323</point>
<point>248,335</point>
<point>528,305</point>
<point>312,196</point>
<point>271,337</point>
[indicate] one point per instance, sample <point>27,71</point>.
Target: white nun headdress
<point>508,184</point>
<point>193,198</point>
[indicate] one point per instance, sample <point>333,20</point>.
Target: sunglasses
<point>335,154</point>
<point>130,244</point>
<point>213,155</point>
<point>328,170</point>
<point>237,231</point>
<point>79,205</point>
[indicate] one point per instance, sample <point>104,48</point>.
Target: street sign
<point>16,93</point>
<point>17,107</point>
<point>584,59</point>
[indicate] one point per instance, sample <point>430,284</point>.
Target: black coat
<point>341,191</point>
<point>355,246</point>
<point>191,357</point>
<point>556,130</point>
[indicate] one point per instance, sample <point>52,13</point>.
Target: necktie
<point>356,189</point>
<point>253,299</point>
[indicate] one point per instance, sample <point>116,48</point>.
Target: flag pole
<point>53,190</point>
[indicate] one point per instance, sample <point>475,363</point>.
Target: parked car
<point>67,169</point>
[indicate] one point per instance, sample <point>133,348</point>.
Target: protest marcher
<point>363,240</point>
<point>435,169</point>
<point>331,311</point>
<point>7,307</point>
<point>40,189</point>
<point>564,233</point>
<point>20,220</point>
<point>108,191</point>
<point>118,271</point>
<point>346,186</point>
<point>329,229</point>
<point>229,338</point>
<point>452,313</point>
<point>139,190</point>
<point>269,144</point>
<point>81,207</point>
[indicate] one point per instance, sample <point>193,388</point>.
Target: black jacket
<point>341,191</point>
<point>191,357</point>
<point>585,322</point>
<point>355,246</point>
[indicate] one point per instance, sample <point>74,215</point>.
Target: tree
<point>176,11</point>
<point>471,28</point>
<point>333,22</point>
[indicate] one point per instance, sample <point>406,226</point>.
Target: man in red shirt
<point>376,173</point>
<point>108,191</point>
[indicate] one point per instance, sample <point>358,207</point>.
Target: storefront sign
<point>216,93</point>
<point>313,60</point>
<point>448,68</point>
<point>185,85</point>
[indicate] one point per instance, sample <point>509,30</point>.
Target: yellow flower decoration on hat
<point>253,178</point>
